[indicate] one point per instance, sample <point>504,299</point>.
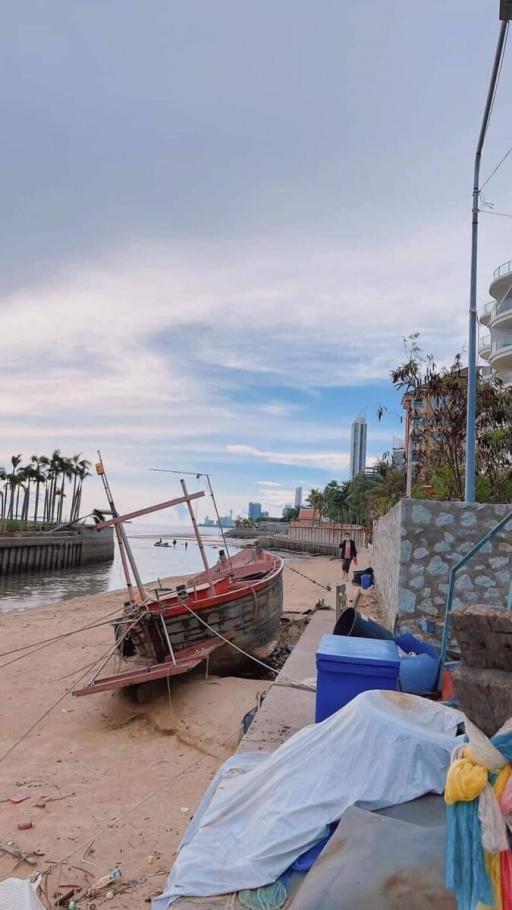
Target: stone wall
<point>386,562</point>
<point>433,537</point>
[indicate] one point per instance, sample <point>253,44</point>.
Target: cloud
<point>326,461</point>
<point>268,483</point>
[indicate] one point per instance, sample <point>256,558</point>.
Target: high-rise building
<point>496,347</point>
<point>254,511</point>
<point>298,497</point>
<point>358,446</point>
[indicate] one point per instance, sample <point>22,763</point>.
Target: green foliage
<point>441,438</point>
<point>40,487</point>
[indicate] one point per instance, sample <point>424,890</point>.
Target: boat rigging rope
<point>246,654</point>
<point>319,583</point>
<point>83,846</point>
<point>38,646</point>
<point>108,653</point>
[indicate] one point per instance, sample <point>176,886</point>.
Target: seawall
<point>55,550</point>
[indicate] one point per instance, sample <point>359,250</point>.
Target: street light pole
<point>505,16</point>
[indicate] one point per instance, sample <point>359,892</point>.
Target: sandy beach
<point>93,760</point>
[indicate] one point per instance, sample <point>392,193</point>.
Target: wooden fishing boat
<point>225,615</point>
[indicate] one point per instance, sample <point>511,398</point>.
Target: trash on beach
<point>243,837</point>
<point>184,809</point>
<point>25,826</point>
<point>113,876</point>
<point>20,797</point>
<point>64,900</point>
<point>14,850</point>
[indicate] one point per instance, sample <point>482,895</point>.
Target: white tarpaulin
<point>19,894</point>
<point>382,749</point>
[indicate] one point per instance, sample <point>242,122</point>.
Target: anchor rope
<point>313,580</point>
<point>108,653</point>
<point>246,654</point>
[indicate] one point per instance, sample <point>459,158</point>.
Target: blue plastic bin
<point>418,674</point>
<point>347,666</point>
<point>366,581</point>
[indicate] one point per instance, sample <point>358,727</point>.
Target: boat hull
<point>250,622</point>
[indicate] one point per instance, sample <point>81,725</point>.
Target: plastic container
<point>418,672</point>
<point>366,581</point>
<point>358,574</point>
<point>350,622</point>
<point>348,666</point>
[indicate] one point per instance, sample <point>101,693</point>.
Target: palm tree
<point>66,468</point>
<point>317,503</point>
<point>13,480</point>
<point>81,471</point>
<point>54,471</point>
<point>39,463</point>
<point>3,494</point>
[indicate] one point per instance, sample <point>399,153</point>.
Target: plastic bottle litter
<point>72,905</point>
<point>113,876</point>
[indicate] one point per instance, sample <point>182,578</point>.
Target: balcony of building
<point>501,281</point>
<point>486,312</point>
<point>484,347</point>
<point>500,357</point>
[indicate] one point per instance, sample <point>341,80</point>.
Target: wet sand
<point>94,758</point>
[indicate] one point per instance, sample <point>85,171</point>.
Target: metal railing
<point>501,343</point>
<point>485,343</point>
<point>504,269</point>
<point>503,307</point>
<point>451,588</point>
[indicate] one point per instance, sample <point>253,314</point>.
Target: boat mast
<point>196,532</point>
<point>218,516</point>
<point>122,540</point>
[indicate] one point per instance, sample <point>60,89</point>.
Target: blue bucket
<point>418,673</point>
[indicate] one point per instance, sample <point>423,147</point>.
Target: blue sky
<point>221,219</point>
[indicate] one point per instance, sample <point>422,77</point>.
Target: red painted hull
<point>238,603</point>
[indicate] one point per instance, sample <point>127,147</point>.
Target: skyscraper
<point>298,497</point>
<point>254,511</point>
<point>358,446</point>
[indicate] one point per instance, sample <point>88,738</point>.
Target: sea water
<point>23,592</point>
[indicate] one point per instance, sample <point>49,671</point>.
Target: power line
<point>491,175</point>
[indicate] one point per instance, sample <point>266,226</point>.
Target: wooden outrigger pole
<point>125,550</point>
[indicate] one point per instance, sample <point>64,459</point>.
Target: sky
<point>220,220</point>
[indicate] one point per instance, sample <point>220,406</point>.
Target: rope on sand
<point>307,577</point>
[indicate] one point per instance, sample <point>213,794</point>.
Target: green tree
<point>317,503</point>
<point>335,500</point>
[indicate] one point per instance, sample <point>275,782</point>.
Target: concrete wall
<point>386,562</point>
<point>434,536</point>
<point>329,535</point>
<point>53,551</point>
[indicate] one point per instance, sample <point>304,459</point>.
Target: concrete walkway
<point>287,707</point>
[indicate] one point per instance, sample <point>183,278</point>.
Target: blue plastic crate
<point>347,666</point>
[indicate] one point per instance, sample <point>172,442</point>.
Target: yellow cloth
<point>464,781</point>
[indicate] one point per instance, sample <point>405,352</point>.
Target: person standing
<point>348,553</point>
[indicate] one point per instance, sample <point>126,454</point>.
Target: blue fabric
<point>466,872</point>
<point>503,743</point>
